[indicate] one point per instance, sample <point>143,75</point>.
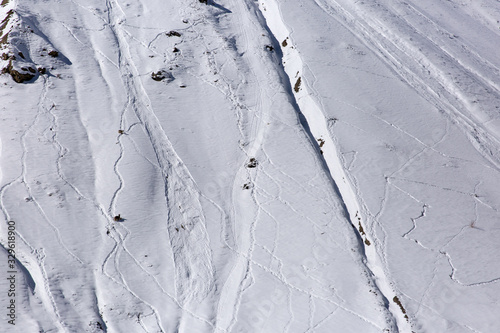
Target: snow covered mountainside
<point>250,166</point>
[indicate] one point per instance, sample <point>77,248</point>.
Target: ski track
<point>407,61</point>
<point>116,235</point>
<point>179,185</point>
<point>46,295</point>
<point>115,255</point>
<point>224,85</point>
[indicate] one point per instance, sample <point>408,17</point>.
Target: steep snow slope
<point>422,172</point>
<point>242,166</point>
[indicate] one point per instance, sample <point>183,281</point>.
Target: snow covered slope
<point>250,166</point>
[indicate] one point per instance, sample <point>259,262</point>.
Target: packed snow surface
<point>250,166</point>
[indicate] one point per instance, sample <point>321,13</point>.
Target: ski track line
<point>291,287</point>
<point>272,252</point>
<point>441,250</point>
<point>322,321</point>
<point>40,257</point>
<point>120,243</point>
<point>425,206</point>
<point>87,46</point>
<point>223,84</point>
<point>60,153</point>
<point>280,277</point>
<point>264,117</point>
<point>47,295</point>
<point>23,177</point>
<point>376,217</point>
<point>179,185</point>
<point>394,53</point>
<point>264,193</point>
<point>115,254</point>
<point>121,181</point>
<point>296,184</point>
<point>438,43</point>
<point>119,240</point>
<point>488,66</point>
<point>44,294</point>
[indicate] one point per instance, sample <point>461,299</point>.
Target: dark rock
<point>297,85</point>
<point>54,54</point>
<point>158,76</point>
<point>252,163</point>
<point>20,77</point>
<point>162,75</point>
<point>173,33</point>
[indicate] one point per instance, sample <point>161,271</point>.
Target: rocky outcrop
<point>22,75</point>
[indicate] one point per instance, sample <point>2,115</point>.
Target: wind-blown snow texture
<point>273,165</point>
